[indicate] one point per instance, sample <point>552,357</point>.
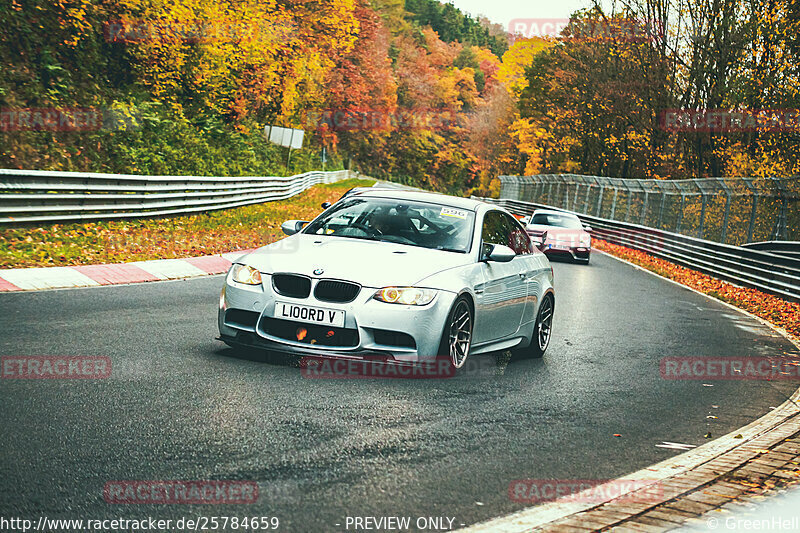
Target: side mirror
<point>325,205</point>
<point>290,227</point>
<point>587,228</point>
<point>541,245</point>
<point>500,254</point>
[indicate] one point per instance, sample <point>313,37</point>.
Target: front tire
<point>457,335</point>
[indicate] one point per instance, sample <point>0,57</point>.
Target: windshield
<point>399,221</point>
<point>552,219</point>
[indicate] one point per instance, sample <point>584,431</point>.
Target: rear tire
<point>457,334</point>
<point>542,332</point>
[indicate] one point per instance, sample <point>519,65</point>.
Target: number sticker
<point>450,212</point>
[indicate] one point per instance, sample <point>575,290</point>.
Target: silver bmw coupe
<point>400,275</point>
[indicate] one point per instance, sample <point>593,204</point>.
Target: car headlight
<point>586,240</point>
<point>246,274</point>
<point>405,295</point>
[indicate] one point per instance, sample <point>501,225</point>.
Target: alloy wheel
<point>545,324</point>
<point>460,335</point>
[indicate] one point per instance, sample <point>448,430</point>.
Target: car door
<point>532,265</point>
<point>501,296</point>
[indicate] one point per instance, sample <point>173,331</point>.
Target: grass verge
<point>779,312</point>
<point>121,241</point>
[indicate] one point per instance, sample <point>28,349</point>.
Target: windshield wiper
<point>364,238</point>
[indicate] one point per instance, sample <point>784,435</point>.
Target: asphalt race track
<point>181,406</point>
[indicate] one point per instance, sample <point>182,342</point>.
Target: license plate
<point>309,314</point>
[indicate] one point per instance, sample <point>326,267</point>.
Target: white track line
<point>47,278</point>
<point>170,269</point>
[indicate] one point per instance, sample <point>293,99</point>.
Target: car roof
<point>420,196</point>
<point>554,212</point>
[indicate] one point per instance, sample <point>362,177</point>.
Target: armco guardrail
<point>28,196</point>
<point>769,272</point>
<point>789,248</point>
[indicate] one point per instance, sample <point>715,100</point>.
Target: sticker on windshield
<point>450,212</point>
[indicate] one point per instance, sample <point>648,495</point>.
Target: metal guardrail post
<point>724,233</point>
<point>661,209</point>
<point>600,200</point>
<point>566,197</point>
<point>577,194</point>
<point>753,210</point>
<point>630,201</point>
<point>780,224</point>
<point>519,186</point>
<point>515,187</point>
<point>702,214</point>
<point>644,207</point>
<point>614,203</point>
<point>557,191</point>
<point>588,191</point>
<point>540,193</point>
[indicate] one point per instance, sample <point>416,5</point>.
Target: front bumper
<point>574,252</point>
<point>371,328</point>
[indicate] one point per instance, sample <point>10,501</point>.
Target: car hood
<point>556,232</point>
<point>370,263</point>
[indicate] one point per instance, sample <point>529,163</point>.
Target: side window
<point>499,228</point>
<point>492,231</point>
<point>518,239</point>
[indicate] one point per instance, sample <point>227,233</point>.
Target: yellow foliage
<point>518,57</point>
<point>239,56</point>
<point>762,163</point>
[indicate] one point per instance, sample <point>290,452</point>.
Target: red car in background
<point>562,234</point>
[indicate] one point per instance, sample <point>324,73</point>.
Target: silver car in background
<point>402,275</point>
